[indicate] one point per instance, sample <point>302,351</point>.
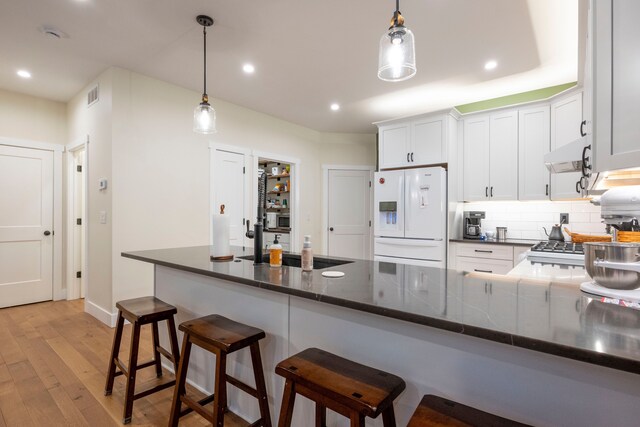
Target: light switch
<point>103,217</point>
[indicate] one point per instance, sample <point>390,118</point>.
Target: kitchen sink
<point>292,260</point>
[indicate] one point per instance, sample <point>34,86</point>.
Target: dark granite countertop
<point>511,242</point>
<point>545,316</point>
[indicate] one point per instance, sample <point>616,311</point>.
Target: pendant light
<point>397,54</point>
<point>204,116</point>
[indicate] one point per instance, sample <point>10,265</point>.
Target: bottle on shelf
<point>275,253</point>
<point>307,254</point>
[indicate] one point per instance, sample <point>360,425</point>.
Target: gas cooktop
<point>556,247</point>
<point>554,252</point>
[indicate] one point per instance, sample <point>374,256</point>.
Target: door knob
<point>330,228</point>
<point>47,233</point>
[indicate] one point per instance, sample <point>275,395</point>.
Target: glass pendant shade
<point>397,55</point>
<point>204,118</point>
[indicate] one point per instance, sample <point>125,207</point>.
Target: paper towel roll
<point>220,236</point>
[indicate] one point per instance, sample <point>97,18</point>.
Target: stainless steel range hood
<point>567,158</point>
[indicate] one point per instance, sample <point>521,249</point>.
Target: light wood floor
<point>53,360</point>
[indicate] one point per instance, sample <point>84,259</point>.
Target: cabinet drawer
<point>482,265</point>
<point>485,250</point>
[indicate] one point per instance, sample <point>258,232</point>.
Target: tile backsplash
<point>524,220</point>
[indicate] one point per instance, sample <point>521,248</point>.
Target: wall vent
<point>92,96</point>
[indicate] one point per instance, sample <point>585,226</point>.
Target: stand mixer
<point>615,267</point>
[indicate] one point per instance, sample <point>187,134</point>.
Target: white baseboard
<point>100,313</point>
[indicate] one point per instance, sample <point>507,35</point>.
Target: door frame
<point>59,291</point>
<point>325,201</point>
<point>74,291</point>
<point>213,148</point>
<point>295,211</point>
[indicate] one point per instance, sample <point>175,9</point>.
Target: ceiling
<point>308,54</point>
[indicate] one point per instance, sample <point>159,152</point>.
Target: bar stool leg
<point>357,420</point>
<point>389,417</point>
<point>258,373</point>
<point>173,341</point>
<point>220,389</point>
<point>115,351</point>
<point>156,353</point>
<point>181,379</point>
<point>321,415</point>
<point>288,400</point>
<point>133,369</point>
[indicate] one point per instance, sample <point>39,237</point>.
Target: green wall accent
<point>518,98</point>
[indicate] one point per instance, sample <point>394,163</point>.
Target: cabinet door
<point>503,150</point>
<point>476,159</point>
<point>533,143</point>
<point>617,85</point>
<point>566,117</point>
<point>394,145</point>
<point>427,141</point>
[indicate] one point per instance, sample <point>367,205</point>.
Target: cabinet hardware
<point>407,157</point>
<point>490,288</point>
<point>485,285</point>
<point>47,233</point>
<point>412,157</point>
<point>491,191</point>
<point>546,191</point>
<point>483,271</point>
<point>486,191</point>
<point>585,160</point>
<point>546,296</point>
<point>578,187</point>
<point>582,125</point>
<point>577,308</point>
<point>484,252</point>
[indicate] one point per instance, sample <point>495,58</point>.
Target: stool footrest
<point>242,386</point>
<point>259,423</point>
<point>125,371</point>
<point>194,405</point>
<point>153,389</point>
<point>163,351</point>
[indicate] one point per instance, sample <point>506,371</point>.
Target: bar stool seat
<point>346,387</point>
<point>141,311</point>
<point>220,336</point>
<point>437,411</point>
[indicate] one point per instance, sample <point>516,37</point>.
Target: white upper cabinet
<point>418,142</point>
<point>476,158</point>
<point>566,124</point>
<point>503,156</point>
<point>616,122</point>
<point>491,157</point>
<point>428,137</point>
<point>533,143</point>
<point>395,145</point>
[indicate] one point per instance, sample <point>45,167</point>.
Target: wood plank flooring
<point>53,360</point>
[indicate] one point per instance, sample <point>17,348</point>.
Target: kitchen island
<point>535,351</point>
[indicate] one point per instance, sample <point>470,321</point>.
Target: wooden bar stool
<point>220,336</point>
<point>436,411</point>
<point>141,311</point>
<point>348,388</point>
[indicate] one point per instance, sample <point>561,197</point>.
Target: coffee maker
<point>472,224</point>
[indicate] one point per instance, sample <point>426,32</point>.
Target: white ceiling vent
<point>92,96</point>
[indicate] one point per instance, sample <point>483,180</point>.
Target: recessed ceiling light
<point>24,74</point>
<point>490,65</point>
<point>248,68</point>
<point>335,107</point>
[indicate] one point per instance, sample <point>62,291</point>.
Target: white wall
<point>96,121</point>
<point>525,220</point>
<point>160,173</point>
<point>31,118</point>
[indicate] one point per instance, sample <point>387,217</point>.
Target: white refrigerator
<point>410,222</point>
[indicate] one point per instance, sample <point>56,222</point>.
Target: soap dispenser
<point>275,253</point>
<point>307,254</point>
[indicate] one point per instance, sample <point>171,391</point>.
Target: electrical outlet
<point>564,218</point>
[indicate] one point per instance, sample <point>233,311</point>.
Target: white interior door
<point>349,214</point>
<point>229,187</point>
<point>26,214</point>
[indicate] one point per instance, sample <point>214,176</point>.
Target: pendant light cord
<point>204,95</point>
<point>395,17</point>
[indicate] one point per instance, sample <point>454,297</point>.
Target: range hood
<point>567,158</point>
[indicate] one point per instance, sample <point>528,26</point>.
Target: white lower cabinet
<point>482,257</point>
<point>533,317</point>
